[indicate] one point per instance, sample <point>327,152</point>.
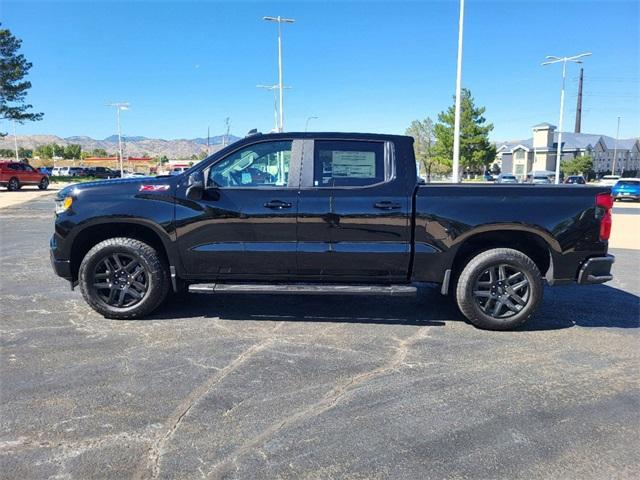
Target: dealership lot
<point>312,387</point>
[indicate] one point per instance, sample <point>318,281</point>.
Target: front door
<point>245,226</point>
<point>354,213</point>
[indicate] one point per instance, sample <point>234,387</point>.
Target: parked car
<point>507,178</point>
<point>575,180</point>
<point>77,172</point>
<point>64,171</point>
<point>488,177</point>
<point>540,179</point>
<point>609,180</point>
<point>233,225</point>
<point>104,173</point>
<point>15,175</point>
<point>178,170</point>
<point>45,171</point>
<point>134,175</point>
<point>55,172</point>
<point>626,189</point>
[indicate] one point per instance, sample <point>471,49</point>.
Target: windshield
<point>629,182</point>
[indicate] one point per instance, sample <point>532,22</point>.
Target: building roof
<point>542,126</point>
<point>622,144</point>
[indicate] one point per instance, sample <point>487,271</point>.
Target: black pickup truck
<point>330,213</point>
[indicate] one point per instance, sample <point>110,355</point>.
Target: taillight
<point>605,201</point>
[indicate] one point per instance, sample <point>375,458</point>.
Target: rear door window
<point>348,163</point>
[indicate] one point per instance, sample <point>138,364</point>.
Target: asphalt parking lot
<point>311,387</point>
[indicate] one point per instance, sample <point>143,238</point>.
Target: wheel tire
<point>13,185</point>
<point>482,266</point>
<point>44,184</point>
<point>154,272</point>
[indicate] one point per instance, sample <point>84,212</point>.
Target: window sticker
<point>353,164</point>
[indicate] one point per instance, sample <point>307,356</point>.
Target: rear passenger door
<point>353,212</point>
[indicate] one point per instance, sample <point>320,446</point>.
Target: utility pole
<point>456,125</point>
<point>579,106</point>
<point>550,60</point>
<point>615,149</point>
<point>227,122</point>
<point>119,106</point>
<point>15,140</point>
<point>279,20</point>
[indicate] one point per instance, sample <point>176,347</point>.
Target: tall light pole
<point>306,124</point>
<point>615,149</point>
<point>280,20</point>
<point>15,140</point>
<point>274,88</point>
<point>119,106</point>
<point>550,60</point>
<point>456,125</point>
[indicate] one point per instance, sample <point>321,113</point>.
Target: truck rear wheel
<point>123,278</point>
<point>499,289</point>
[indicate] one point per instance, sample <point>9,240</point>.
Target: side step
<point>304,288</point>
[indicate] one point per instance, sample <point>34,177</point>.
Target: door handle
<point>386,205</point>
<point>277,204</point>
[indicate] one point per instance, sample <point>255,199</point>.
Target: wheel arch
<point>536,245</point>
<point>97,231</point>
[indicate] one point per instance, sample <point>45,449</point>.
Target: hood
<point>116,185</point>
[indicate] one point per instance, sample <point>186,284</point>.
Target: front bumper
<point>596,270</point>
<point>61,267</point>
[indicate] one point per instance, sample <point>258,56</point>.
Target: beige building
<point>538,154</point>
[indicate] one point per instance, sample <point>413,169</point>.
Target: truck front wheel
<point>499,289</point>
<point>123,278</point>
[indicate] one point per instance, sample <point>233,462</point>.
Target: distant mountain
<point>134,146</point>
<point>114,138</point>
<point>217,139</point>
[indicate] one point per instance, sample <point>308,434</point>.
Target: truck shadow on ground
<point>562,307</point>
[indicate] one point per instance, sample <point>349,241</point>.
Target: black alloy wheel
<point>502,291</point>
<point>499,289</point>
<point>120,280</point>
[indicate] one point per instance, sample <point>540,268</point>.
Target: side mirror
<point>195,186</point>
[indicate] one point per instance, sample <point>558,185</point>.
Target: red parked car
<point>14,175</point>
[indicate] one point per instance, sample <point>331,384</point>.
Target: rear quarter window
<point>348,163</point>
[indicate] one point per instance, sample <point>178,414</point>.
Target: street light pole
<point>615,149</point>
<point>553,59</point>
<point>306,125</point>
<point>120,106</point>
<point>279,20</point>
<point>275,103</point>
<point>456,126</point>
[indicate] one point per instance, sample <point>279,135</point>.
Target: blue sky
<point>358,66</point>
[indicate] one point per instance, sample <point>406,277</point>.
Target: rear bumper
<point>630,196</point>
<point>596,270</point>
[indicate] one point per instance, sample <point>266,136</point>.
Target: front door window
<point>263,164</point>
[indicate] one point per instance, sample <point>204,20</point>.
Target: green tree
<point>13,88</point>
<point>581,165</point>
<point>25,152</point>
<point>163,159</point>
<point>476,151</point>
<point>423,146</point>
<point>72,151</point>
<point>99,152</point>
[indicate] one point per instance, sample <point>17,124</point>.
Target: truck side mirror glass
<point>195,188</point>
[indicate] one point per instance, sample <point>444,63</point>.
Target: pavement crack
<point>151,466</point>
<point>329,400</point>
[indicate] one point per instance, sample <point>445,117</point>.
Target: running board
<point>304,288</point>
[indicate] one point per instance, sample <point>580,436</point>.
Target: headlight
<point>63,205</point>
